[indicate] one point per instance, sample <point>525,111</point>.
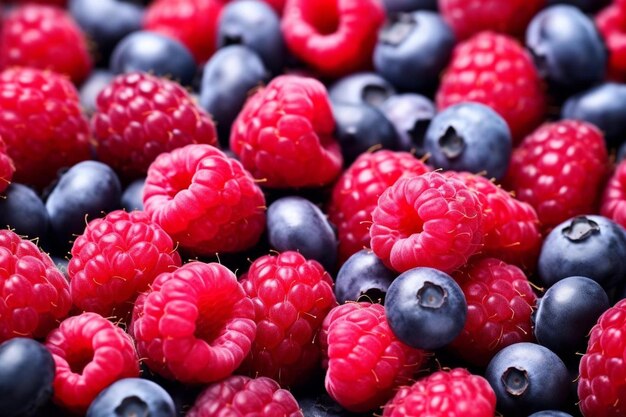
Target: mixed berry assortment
<point>298,208</point>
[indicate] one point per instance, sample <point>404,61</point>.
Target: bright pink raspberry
<point>613,204</point>
<point>7,167</point>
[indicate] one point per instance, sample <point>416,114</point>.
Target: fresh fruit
<point>7,167</point>
<point>132,396</point>
<point>363,277</point>
<point>611,23</point>
<point>22,211</point>
<point>363,87</point>
<point>613,204</point>
<point>132,197</point>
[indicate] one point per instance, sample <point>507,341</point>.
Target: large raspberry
<point>365,362</point>
<point>613,204</point>
<point>7,167</point>
<point>357,191</point>
<point>115,259</point>
<point>291,297</point>
<point>195,324</point>
<point>427,220</point>
<point>284,134</point>
<point>140,116</point>
<point>41,123</point>
<point>611,23</point>
<point>90,353</point>
<point>495,70</point>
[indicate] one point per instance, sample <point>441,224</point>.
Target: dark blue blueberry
<point>227,80</point>
<point>550,413</point>
<point>321,405</point>
<point>132,197</point>
<point>363,277</point>
<point>155,53</point>
<point>621,153</point>
<point>26,376</point>
<point>425,308</point>
<point>61,264</point>
<point>567,312</point>
<point>361,88</point>
<point>469,137</point>
<point>567,48</point>
<point>584,5</point>
<point>256,25</point>
<point>413,49</point>
<point>130,397</point>
<point>294,223</point>
<point>527,377</point>
<point>394,6</point>
<point>89,90</point>
<point>591,246</point>
<point>23,211</point>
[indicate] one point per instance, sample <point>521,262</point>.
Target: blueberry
<point>550,413</point>
<point>131,397</point>
<point>413,49</point>
<point>321,405</point>
<point>526,378</point>
<point>469,137</point>
<point>394,6</point>
<point>584,5</point>
<point>363,277</point>
<point>621,153</point>
<point>26,376</point>
<point>566,48</point>
<point>361,88</point>
<point>153,52</point>
<point>294,223</point>
<point>61,264</point>
<point>425,308</point>
<point>89,90</point>
<point>23,211</point>
<point>132,197</point>
<point>567,312</point>
<point>591,246</point>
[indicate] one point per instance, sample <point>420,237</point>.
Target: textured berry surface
<point>7,167</point>
<point>613,204</point>
<point>611,22</point>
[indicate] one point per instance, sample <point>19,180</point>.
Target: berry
<point>361,88</point>
<point>140,116</point>
<point>613,204</point>
<point>98,80</point>
<point>291,297</point>
<point>495,70</point>
<point>284,134</point>
<point>194,324</point>
<point>363,277</point>
<point>611,23</point>
<point>22,211</point>
<point>550,413</point>
<point>450,393</point>
<point>394,6</point>
<point>90,353</point>
<point>7,167</point>
<point>132,397</point>
<point>132,197</point>
<point>427,220</point>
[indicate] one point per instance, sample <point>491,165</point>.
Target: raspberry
<point>334,37</point>
<point>500,301</point>
<point>90,353</point>
<point>140,116</point>
<point>205,200</point>
<point>7,167</point>
<point>34,294</point>
<point>453,393</point>
<point>602,382</point>
<point>356,193</point>
<point>192,22</point>
<point>284,134</point>
<point>195,324</point>
<point>365,362</point>
<point>611,23</point>
<point>560,170</point>
<point>495,70</point>
<point>613,203</point>
<point>291,297</point>
<point>115,259</point>
<point>427,220</point>
<point>44,37</point>
<point>245,397</point>
<point>278,5</point>
<point>41,123</point>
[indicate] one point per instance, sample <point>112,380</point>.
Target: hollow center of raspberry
<point>323,15</point>
<point>179,182</point>
<point>212,319</point>
<point>398,28</point>
<point>78,357</point>
<point>515,381</point>
<point>580,229</point>
<point>451,143</point>
<point>132,407</point>
<point>431,295</point>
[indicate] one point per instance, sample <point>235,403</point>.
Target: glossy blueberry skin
<point>394,6</point>
<point>227,81</point>
<point>294,223</point>
<point>584,5</point>
<point>155,53</point>
<point>23,211</point>
<point>89,90</point>
<point>361,88</point>
<point>526,378</point>
<point>133,397</point>
<point>363,277</point>
<point>132,197</point>
<point>469,137</point>
<point>591,246</point>
<point>567,48</point>
<point>550,413</point>
<point>425,308</point>
<point>413,49</point>
<point>567,312</point>
<point>26,376</point>
<point>322,405</point>
<point>411,115</point>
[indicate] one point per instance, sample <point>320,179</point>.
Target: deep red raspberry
<point>334,37</point>
<point>195,324</point>
<point>41,123</point>
<point>139,116</point>
<point>90,353</point>
<point>495,70</point>
<point>291,296</point>
<point>602,381</point>
<point>278,5</point>
<point>453,393</point>
<point>356,193</point>
<point>7,167</point>
<point>560,170</point>
<point>205,200</point>
<point>613,203</point>
<point>611,23</point>
<point>192,22</point>
<point>284,134</point>
<point>245,397</point>
<point>115,259</point>
<point>427,220</point>
<point>365,362</point>
<point>44,37</point>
